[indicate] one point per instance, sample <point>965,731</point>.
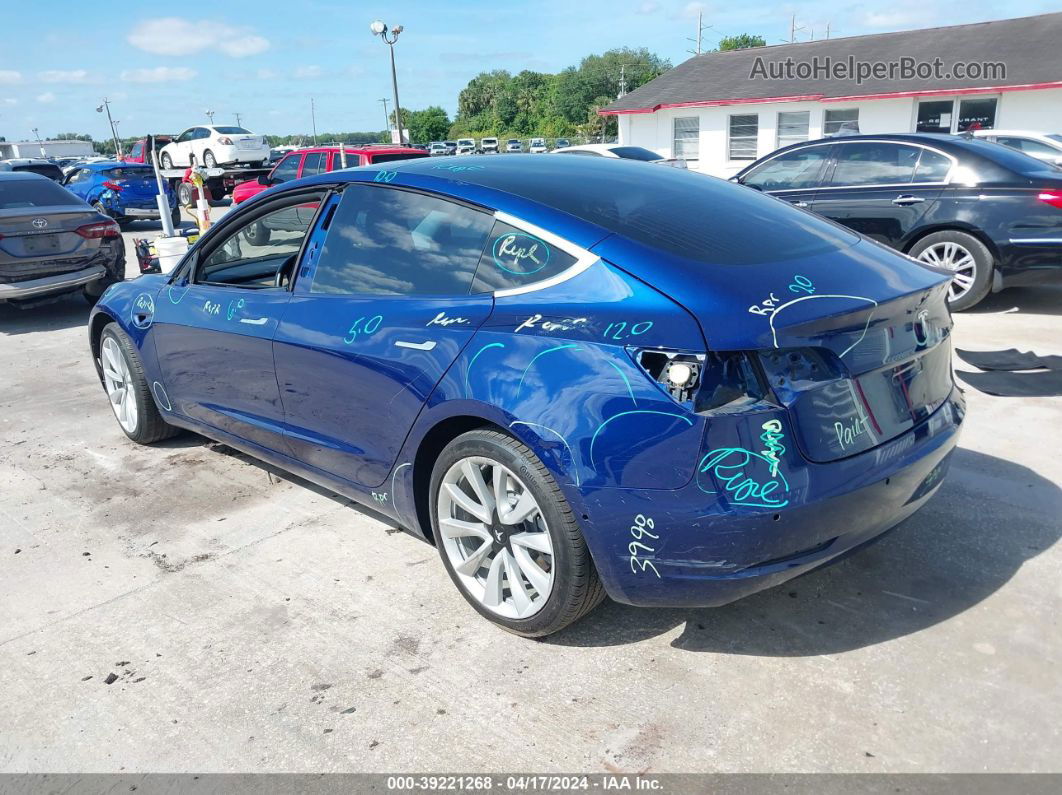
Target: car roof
<point>361,149</point>
<point>1029,133</point>
<point>13,175</point>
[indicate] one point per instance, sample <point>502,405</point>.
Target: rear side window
<point>514,258</point>
<point>126,172</point>
<point>932,167</point>
<point>873,163</point>
<point>387,241</point>
<point>32,192</point>
<point>314,163</point>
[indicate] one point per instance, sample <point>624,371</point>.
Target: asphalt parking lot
<point>185,608</point>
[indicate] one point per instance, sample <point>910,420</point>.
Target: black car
<point>990,214</point>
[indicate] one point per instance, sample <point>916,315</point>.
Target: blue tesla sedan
<point>576,377</point>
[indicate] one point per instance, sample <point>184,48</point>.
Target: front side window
<point>874,163</point>
<point>262,252</point>
<point>800,168</point>
<point>839,120</point>
<point>515,258</point>
<point>687,138</point>
<point>387,241</point>
<point>793,127</point>
<point>744,134</point>
<point>186,136</point>
<point>286,169</point>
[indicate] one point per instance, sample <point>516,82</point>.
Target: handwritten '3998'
<point>640,531</point>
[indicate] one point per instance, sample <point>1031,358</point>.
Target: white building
<point>13,149</point>
<point>721,111</point>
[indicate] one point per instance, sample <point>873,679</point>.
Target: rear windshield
<point>687,214</point>
<point>399,156</point>
<point>635,153</point>
<point>49,170</point>
<point>232,131</point>
<point>17,193</point>
<point>125,172</point>
<point>1011,159</point>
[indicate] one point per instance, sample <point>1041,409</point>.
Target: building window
<point>744,132</point>
<point>956,115</point>
<point>793,127</point>
<point>687,140</point>
<point>844,120</point>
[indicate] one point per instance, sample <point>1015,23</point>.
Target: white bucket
<point>170,250</point>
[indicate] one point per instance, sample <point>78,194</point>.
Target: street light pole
<point>114,133</point>
<point>387,116</point>
<point>40,145</point>
<point>378,28</point>
<point>209,115</point>
<point>313,121</point>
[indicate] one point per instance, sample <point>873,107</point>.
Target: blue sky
<point>265,60</point>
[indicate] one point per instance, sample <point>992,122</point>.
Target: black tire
<point>98,207</point>
<point>166,161</point>
<point>184,194</point>
<point>208,156</point>
<point>150,426</point>
<point>577,587</point>
<point>257,234</point>
<point>175,216</point>
<point>984,264</point>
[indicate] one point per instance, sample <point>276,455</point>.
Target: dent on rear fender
<point>556,362</point>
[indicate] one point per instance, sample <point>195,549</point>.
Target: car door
<point>353,159</point>
<point>794,175</point>
<point>182,147</point>
<point>213,326</point>
<point>200,143</point>
<point>882,189</point>
<point>375,321</point>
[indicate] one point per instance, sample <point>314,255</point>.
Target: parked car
<point>437,149</point>
<point>464,149</point>
<point>451,147</point>
<point>587,391</point>
<point>122,191</point>
<point>140,151</point>
<point>466,144</point>
<point>560,143</point>
<point>488,145</point>
<point>514,145</point>
<point>214,145</point>
<point>538,146</point>
<point>33,165</point>
<point>320,159</point>
<point>52,243</point>
<point>990,215</point>
<point>1042,146</point>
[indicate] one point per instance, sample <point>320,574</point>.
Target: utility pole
<point>623,79</point>
<point>106,106</point>
<point>387,117</point>
<point>238,120</point>
<point>827,30</point>
<point>313,120</point>
<point>701,27</point>
<point>793,29</point>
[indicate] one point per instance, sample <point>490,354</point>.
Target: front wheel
<point>508,537</point>
<point>969,260</point>
<point>166,160</point>
<point>175,216</point>
<point>257,234</point>
<point>127,388</point>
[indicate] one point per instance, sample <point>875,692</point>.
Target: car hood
<point>246,190</point>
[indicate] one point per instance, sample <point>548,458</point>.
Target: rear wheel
<point>127,388</point>
<point>209,160</point>
<point>969,260</point>
<point>508,537</point>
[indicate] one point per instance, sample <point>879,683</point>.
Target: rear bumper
<point>35,288</point>
<point>1030,260</point>
<point>234,154</point>
<point>709,555</point>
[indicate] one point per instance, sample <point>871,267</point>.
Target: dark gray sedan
<point>52,243</point>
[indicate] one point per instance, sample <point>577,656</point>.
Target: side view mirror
<point>265,180</point>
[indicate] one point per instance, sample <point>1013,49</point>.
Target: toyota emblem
<point>40,223</point>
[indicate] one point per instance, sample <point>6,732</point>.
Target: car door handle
<point>799,204</point>
<point>417,346</point>
<point>254,321</point>
<point>904,199</point>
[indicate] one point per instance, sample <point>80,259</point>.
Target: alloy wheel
<point>957,259</point>
<point>495,537</point>
<point>118,382</point>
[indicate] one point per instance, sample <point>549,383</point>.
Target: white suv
<point>538,146</point>
<point>1042,146</point>
<point>212,146</point>
<point>488,145</point>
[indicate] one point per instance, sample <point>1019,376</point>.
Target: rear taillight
<point>113,186</point>
<point>99,230</point>
<point>225,140</point>
<point>1054,198</point>
<point>709,382</point>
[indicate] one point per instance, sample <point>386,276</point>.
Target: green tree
<point>69,136</point>
<point>430,124</point>
<point>742,41</point>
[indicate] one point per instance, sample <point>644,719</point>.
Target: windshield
<point>16,193</point>
<point>1055,137</point>
<point>635,153</point>
<point>232,131</point>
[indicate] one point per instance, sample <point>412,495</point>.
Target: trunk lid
<point>46,233</point>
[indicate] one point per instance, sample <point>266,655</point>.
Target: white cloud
<point>266,74</point>
<point>175,36</point>
<point>10,101</point>
<point>691,10</point>
<point>901,16</point>
<point>63,76</point>
<point>648,7</point>
<point>308,72</point>
<point>46,97</point>
<point>9,77</point>
<point>160,74</point>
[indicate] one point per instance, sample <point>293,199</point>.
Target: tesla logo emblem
<point>40,223</point>
<point>498,535</point>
